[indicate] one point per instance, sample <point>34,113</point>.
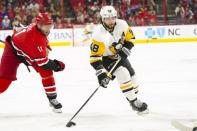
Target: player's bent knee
<point>4,84</point>
<point>122,74</point>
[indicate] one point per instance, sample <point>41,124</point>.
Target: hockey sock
<point>128,90</point>
<point>135,89</point>
<point>135,83</point>
<point>125,82</point>
<point>4,84</point>
<point>48,82</point>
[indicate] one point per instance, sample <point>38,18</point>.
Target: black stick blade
<point>69,124</point>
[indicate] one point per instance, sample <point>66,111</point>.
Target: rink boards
<point>144,35</point>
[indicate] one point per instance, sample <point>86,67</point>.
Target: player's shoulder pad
<point>97,33</point>
<point>126,29</point>
<point>122,23</point>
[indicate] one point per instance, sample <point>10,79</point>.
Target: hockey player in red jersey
<point>30,46</point>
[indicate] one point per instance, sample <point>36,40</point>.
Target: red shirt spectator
<point>40,2</point>
<point>144,2</point>
<point>134,2</point>
<point>144,13</point>
<point>139,20</point>
<point>11,13</point>
<point>153,19</point>
<point>185,3</point>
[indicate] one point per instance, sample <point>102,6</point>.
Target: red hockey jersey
<point>32,45</point>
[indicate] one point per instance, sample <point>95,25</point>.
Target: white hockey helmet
<point>108,11</point>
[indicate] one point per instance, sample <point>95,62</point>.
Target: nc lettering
<point>174,32</point>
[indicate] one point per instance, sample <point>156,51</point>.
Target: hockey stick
<point>182,127</point>
<point>70,123</point>
<point>2,41</point>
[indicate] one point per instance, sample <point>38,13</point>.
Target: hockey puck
<point>69,124</point>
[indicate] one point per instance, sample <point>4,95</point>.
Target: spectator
<point>195,17</point>
<point>92,13</point>
<point>6,23</point>
<point>188,16</point>
<point>133,6</point>
<point>54,13</point>
<point>153,19</point>
<point>131,21</point>
<point>16,22</point>
<point>20,12</point>
<point>68,23</point>
<point>144,16</point>
<point>79,11</point>
<point>59,24</point>
<point>179,12</point>
<point>11,13</point>
<point>139,19</point>
<point>28,17</point>
<point>3,12</point>
<point>155,6</point>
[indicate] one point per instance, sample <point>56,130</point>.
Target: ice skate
<point>56,106</point>
<point>140,107</point>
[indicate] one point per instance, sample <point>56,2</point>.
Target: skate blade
<point>143,112</point>
<point>57,110</point>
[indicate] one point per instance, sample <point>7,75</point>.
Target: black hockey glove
<point>60,65</point>
<point>124,53</point>
<point>54,65</point>
<point>103,79</point>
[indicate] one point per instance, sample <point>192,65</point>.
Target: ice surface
<point>168,77</point>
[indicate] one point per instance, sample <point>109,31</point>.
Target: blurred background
<point>67,13</point>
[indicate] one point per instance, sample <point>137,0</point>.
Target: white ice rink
<point>168,77</point>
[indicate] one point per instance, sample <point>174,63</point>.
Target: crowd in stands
<point>186,12</point>
<point>136,12</point>
<point>13,12</point>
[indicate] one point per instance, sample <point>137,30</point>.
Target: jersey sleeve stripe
<point>39,61</point>
<point>22,53</point>
<point>42,62</point>
<point>94,59</point>
<point>129,34</point>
